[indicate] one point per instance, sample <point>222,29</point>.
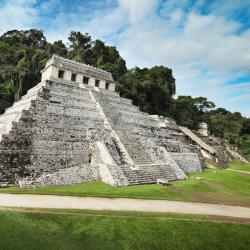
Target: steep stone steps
<point>109,93</point>
<point>6,121</point>
<point>197,140</point>
<point>137,152</point>
<point>82,95</point>
<point>143,131</point>
<point>122,106</point>
<point>69,110</point>
<point>68,102</point>
<point>19,108</point>
<point>173,145</point>
<point>148,133</point>
<point>25,99</point>
<point>66,97</point>
<point>129,126</point>
<point>66,86</point>
<point>8,118</point>
<point>118,106</point>
<point>4,129</point>
<point>129,113</point>
<point>136,122</point>
<point>14,113</point>
<point>35,89</point>
<point>148,173</point>
<point>117,99</point>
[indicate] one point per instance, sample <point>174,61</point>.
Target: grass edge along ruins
<point>73,127</point>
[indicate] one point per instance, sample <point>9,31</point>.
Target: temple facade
<point>81,74</point>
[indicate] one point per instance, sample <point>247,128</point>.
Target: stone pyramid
<point>73,127</point>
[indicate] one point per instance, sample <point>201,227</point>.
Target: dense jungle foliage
<point>23,55</point>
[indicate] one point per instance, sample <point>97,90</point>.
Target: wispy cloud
<point>17,14</point>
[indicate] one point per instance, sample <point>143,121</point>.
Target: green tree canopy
<point>151,89</point>
<point>190,111</point>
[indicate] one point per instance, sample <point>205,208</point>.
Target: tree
<point>108,58</point>
<point>79,47</point>
<point>245,126</point>
<point>190,111</point>
<point>23,54</point>
<point>226,125</point>
<point>58,48</point>
<point>96,53</point>
<point>151,89</point>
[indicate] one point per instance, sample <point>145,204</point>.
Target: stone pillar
<point>112,86</point>
<point>91,82</point>
<point>67,75</point>
<point>79,78</point>
<point>102,84</point>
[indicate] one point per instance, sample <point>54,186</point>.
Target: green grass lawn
<point>236,164</point>
<point>216,186</point>
<point>32,229</point>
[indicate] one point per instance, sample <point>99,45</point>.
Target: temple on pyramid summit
<point>73,127</point>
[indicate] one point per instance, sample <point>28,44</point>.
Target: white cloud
<point>136,9</point>
<point>17,14</point>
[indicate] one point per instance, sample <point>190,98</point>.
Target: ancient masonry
<point>73,127</point>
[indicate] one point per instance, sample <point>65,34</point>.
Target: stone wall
<point>188,162</point>
<point>66,176</point>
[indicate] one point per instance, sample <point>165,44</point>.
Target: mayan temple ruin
<point>73,127</point>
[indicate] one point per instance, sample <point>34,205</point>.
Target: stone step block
<point>109,93</point>
<point>5,128</point>
<point>62,87</point>
<point>124,106</point>
<point>18,108</point>
<point>30,95</point>
<point>11,117</point>
<point>24,101</point>
<point>36,88</point>
<point>83,96</point>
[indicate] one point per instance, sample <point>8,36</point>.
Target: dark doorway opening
<point>73,77</point>
<point>60,74</point>
<point>85,80</point>
<point>107,85</point>
<point>97,82</point>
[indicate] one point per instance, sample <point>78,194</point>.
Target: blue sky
<point>206,43</point>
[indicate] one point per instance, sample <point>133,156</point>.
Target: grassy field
<point>216,186</point>
<point>236,164</point>
<point>49,229</point>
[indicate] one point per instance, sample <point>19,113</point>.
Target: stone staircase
<point>197,140</point>
<point>149,173</point>
<point>14,113</point>
<point>136,150</point>
<point>138,133</point>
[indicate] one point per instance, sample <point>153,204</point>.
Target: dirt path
<point>120,204</point>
